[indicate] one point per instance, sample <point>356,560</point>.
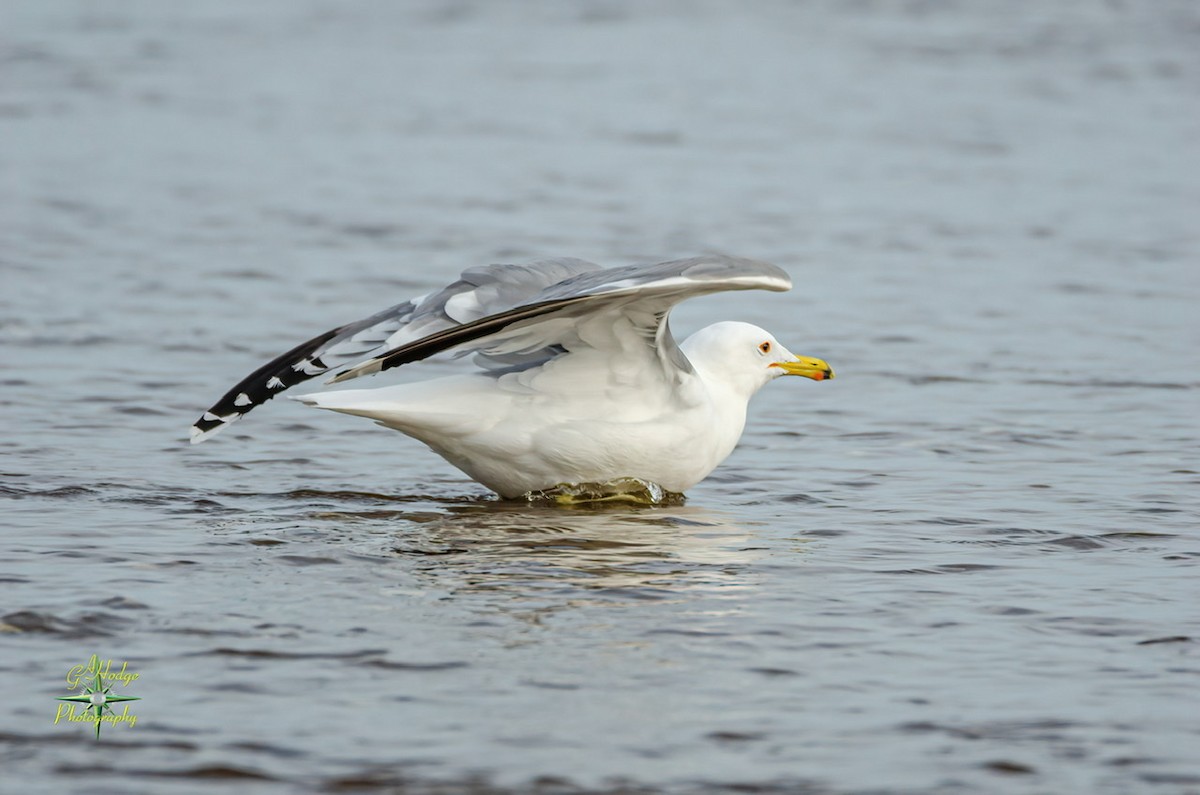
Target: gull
<point>578,379</point>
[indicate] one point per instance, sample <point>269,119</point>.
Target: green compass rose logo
<point>95,683</point>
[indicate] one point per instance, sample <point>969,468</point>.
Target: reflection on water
<point>588,552</point>
<point>592,555</point>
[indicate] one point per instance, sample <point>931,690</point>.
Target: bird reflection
<point>598,554</point>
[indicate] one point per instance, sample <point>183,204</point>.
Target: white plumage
<point>579,379</point>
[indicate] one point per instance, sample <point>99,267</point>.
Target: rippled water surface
<point>969,564</point>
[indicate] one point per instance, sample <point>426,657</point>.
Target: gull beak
<point>807,366</point>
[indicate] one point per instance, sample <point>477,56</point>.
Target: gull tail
<point>359,402</point>
<point>442,407</point>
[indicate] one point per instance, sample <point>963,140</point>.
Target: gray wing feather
<point>713,273</point>
<point>478,293</point>
<point>528,333</point>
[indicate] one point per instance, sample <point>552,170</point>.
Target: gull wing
<point>479,293</point>
<point>511,316</point>
<point>618,309</point>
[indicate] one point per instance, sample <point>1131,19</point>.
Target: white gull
<point>579,380</point>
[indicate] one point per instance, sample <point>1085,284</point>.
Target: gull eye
<point>765,347</point>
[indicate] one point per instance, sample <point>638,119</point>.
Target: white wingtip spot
<point>275,383</point>
<point>199,434</point>
<point>242,399</point>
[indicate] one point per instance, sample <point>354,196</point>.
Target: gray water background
<point>969,564</point>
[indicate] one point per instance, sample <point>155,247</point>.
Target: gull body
<point>538,432</point>
<point>583,384</point>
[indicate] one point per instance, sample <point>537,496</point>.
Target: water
<point>969,564</point>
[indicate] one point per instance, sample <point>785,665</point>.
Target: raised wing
<point>640,296</point>
<point>510,315</point>
<point>478,294</point>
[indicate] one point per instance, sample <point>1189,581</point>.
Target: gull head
<point>746,357</point>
